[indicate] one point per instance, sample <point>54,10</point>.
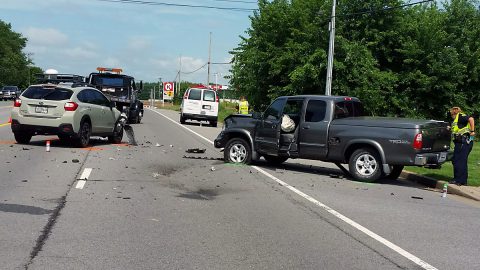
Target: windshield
<point>109,81</point>
<point>11,88</point>
<point>38,92</point>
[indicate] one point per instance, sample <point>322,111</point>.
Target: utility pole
<point>209,58</point>
<point>216,80</point>
<point>331,47</point>
<point>160,89</point>
<point>154,97</point>
<point>179,78</point>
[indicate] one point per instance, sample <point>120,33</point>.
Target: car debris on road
<point>196,150</point>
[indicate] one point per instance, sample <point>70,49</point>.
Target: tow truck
<point>121,89</point>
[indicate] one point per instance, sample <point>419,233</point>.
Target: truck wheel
<point>365,165</point>
<point>117,135</point>
<point>213,123</point>
<point>396,171</point>
<point>22,138</point>
<point>238,150</point>
<point>275,160</point>
<point>182,119</point>
<point>83,137</point>
<point>139,118</point>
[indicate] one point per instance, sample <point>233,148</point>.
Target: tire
<point>238,150</point>
<point>182,119</point>
<point>214,123</point>
<point>395,173</point>
<point>22,138</point>
<point>139,117</point>
<point>117,135</point>
<point>365,165</point>
<point>275,160</point>
<point>83,137</point>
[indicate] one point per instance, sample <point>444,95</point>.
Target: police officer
<point>463,131</point>
<point>243,106</point>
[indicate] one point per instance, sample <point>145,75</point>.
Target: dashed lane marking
<point>323,206</point>
<point>83,178</point>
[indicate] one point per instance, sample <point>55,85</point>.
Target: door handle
<point>306,127</point>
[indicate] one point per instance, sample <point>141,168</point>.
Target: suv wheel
<point>238,150</point>
<point>365,165</point>
<point>117,135</point>
<point>84,134</point>
<point>22,138</point>
<point>275,160</point>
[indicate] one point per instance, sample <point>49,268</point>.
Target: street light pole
<point>160,89</point>
<point>331,47</point>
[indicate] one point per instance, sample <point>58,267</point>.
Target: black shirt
<point>462,121</point>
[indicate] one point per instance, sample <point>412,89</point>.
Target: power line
<point>236,1</point>
<point>152,3</point>
<point>186,73</point>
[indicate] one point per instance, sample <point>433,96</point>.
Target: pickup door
<point>314,130</point>
<point>268,130</point>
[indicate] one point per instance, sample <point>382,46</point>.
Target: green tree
<point>14,63</point>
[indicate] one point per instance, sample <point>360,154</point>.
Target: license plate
<point>443,157</point>
<point>207,107</point>
<point>39,109</point>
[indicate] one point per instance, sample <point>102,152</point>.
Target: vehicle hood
<point>244,121</point>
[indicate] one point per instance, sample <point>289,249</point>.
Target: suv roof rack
<point>59,78</point>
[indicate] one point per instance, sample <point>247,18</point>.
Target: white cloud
<point>80,53</point>
<point>139,43</point>
<point>45,37</point>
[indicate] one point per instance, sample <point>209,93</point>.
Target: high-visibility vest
<point>460,131</point>
<point>243,107</point>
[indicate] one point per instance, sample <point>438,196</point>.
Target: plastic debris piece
<point>212,169</point>
<point>418,198</point>
<point>75,160</point>
<point>196,150</point>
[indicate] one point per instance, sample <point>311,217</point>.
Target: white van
<point>200,104</point>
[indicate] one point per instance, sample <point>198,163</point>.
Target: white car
<point>200,104</point>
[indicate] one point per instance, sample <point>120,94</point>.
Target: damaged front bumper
<point>220,141</point>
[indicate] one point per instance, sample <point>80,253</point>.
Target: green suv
<point>72,113</point>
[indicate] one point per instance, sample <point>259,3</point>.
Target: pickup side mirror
<point>257,115</point>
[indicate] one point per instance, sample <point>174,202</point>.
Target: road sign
<point>168,90</point>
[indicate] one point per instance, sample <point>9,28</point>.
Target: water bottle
<point>445,188</point>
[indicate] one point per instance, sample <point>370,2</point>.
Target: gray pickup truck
<point>334,129</point>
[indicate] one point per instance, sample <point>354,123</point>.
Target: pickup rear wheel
<point>365,165</point>
<point>238,150</point>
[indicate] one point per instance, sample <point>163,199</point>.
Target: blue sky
<point>76,36</point>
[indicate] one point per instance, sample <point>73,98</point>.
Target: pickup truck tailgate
<point>435,137</point>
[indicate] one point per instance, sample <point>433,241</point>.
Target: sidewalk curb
<point>433,183</point>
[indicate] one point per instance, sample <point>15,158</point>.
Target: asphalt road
<point>148,207</point>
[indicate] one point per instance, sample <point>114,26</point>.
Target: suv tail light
<point>70,106</point>
<point>417,142</point>
<point>17,103</point>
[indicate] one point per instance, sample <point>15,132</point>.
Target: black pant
<point>460,161</point>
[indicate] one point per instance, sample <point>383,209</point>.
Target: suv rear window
<point>195,94</point>
<point>208,95</point>
<point>37,92</point>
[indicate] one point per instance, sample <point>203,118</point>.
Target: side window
<point>82,96</point>
<point>316,110</point>
<point>341,110</point>
<point>195,94</point>
<point>273,112</point>
<point>100,99</point>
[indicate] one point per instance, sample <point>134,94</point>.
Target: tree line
<point>16,68</point>
<point>410,61</point>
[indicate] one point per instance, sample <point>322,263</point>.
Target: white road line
<point>345,219</point>
<point>80,184</point>
<point>82,180</point>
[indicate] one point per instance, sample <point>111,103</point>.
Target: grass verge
<point>446,172</point>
